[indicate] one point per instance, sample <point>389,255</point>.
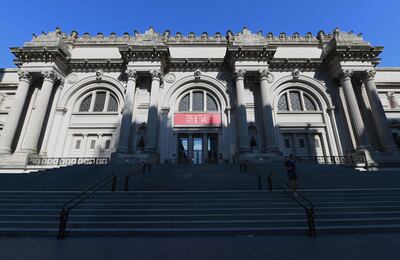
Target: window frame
<point>93,94</point>
<point>286,94</point>
<point>205,95</point>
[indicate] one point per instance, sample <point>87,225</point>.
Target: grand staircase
<point>193,200</point>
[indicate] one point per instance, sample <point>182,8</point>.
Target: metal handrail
<point>85,194</point>
<point>89,191</point>
<point>309,209</point>
<point>141,166</point>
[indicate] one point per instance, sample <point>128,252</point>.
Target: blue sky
<point>379,21</point>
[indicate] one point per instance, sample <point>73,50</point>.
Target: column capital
<point>239,74</point>
<point>369,74</point>
<point>24,76</point>
<point>266,75</point>
<point>156,75</point>
<point>131,74</point>
<point>345,74</point>
<point>49,75</point>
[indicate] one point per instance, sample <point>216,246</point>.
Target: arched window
<point>99,101</point>
<point>197,101</point>
<point>85,105</point>
<point>297,100</point>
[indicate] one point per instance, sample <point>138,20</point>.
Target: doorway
<point>197,148</point>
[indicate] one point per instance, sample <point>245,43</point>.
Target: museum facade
<point>198,98</point>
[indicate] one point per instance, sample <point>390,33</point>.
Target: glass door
<point>197,149</point>
<point>212,148</point>
<point>183,148</point>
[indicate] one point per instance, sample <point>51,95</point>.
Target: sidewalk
<point>348,246</point>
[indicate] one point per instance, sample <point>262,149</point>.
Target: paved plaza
<point>349,246</point>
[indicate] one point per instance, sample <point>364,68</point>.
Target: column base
<point>18,160</point>
<point>5,151</point>
<point>384,160</point>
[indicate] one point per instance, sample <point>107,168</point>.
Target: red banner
<point>197,119</point>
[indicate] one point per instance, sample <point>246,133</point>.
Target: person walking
<point>291,171</point>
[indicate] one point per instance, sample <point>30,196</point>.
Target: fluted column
<point>152,120</point>
<point>269,128</point>
<point>355,115</point>
<point>378,114</point>
<point>39,113</point>
<point>10,127</point>
<point>241,112</point>
<point>126,121</point>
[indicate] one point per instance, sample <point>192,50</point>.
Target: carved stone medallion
<point>170,78</point>
<point>72,78</point>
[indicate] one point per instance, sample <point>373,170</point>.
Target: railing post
<point>144,168</point>
<point>63,223</point>
<point>259,182</point>
<point>126,183</point>
<point>114,183</point>
<point>269,182</point>
<point>310,221</point>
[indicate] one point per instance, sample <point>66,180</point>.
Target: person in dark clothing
<point>253,143</point>
<point>291,171</point>
<point>141,143</point>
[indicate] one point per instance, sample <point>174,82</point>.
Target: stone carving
<point>131,74</point>
<point>197,74</point>
<point>204,35</point>
<point>113,36</point>
<point>72,78</point>
<point>23,75</point>
<point>49,75</point>
<point>239,74</point>
<point>156,74</point>
<point>246,37</point>
<point>266,75</point>
<point>170,77</point>
<point>370,73</point>
<point>345,74</point>
<point>296,74</point>
<point>392,100</point>
<point>178,35</point>
<point>99,74</point>
<point>348,37</point>
<point>3,97</point>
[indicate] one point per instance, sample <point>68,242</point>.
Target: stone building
<point>198,98</point>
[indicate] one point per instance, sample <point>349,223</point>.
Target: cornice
<point>144,53</point>
<point>39,54</point>
<point>284,64</point>
<point>193,64</point>
<point>93,64</point>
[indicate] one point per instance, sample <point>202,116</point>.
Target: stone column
<point>355,115</point>
<point>269,127</point>
<point>39,113</point>
<point>378,114</point>
<point>152,120</point>
<point>10,127</point>
<point>241,112</point>
<point>126,121</point>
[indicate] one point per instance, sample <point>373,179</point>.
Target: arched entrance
<point>197,122</point>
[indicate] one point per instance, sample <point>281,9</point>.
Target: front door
<point>197,148</point>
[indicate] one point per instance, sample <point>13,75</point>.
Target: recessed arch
<point>80,88</point>
<point>210,84</point>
